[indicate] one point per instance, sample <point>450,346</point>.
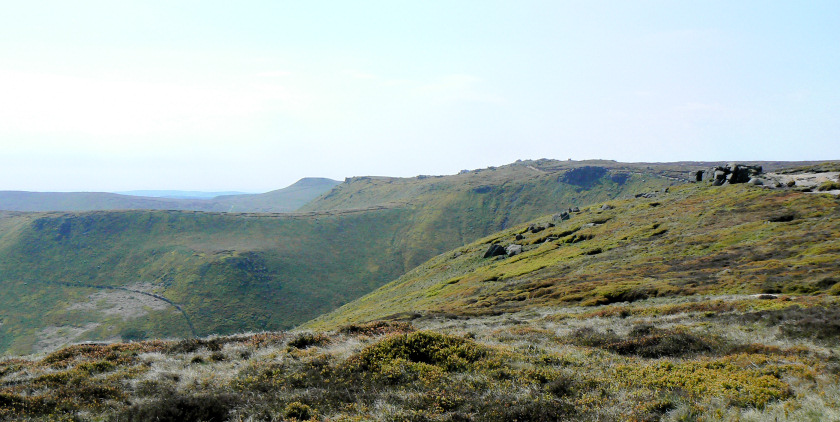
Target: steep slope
<point>105,275</point>
<point>448,211</point>
<point>282,200</point>
<point>102,275</point>
<point>693,240</point>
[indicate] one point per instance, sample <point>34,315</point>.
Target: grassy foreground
<point>707,359</point>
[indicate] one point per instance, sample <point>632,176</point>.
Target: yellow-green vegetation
<point>692,240</point>
<point>70,277</point>
<point>548,364</point>
<point>691,303</point>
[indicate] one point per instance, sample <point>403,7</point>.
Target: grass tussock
<point>724,358</point>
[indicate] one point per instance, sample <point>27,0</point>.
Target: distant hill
<point>178,194</point>
<point>282,200</point>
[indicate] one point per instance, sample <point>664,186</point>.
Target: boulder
<point>494,250</point>
<point>734,173</point>
<point>720,177</point>
<point>536,228</point>
<point>606,207</point>
<point>519,237</point>
<point>562,216</point>
<point>513,249</point>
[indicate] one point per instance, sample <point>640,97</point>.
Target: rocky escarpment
<point>729,174</point>
<point>733,173</point>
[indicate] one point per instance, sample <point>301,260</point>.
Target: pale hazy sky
<point>253,95</point>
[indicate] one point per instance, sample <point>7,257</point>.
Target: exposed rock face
<point>513,249</point>
<point>583,176</point>
<point>494,250</point>
<point>733,173</point>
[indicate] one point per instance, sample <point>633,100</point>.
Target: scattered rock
<point>535,228</point>
<point>561,217</point>
<point>494,250</point>
<point>513,249</point>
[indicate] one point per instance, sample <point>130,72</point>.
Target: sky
<point>254,95</point>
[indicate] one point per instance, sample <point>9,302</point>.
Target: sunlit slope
<point>520,184</point>
<point>453,210</point>
<point>692,240</point>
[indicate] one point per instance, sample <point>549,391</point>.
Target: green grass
<point>234,272</point>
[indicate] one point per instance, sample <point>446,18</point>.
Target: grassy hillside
<point>282,200</point>
<point>71,277</point>
<point>697,303</point>
<point>694,239</point>
<point>227,272</point>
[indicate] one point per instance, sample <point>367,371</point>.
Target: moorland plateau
<point>540,290</point>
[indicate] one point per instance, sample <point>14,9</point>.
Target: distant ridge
<point>287,199</point>
<point>180,194</point>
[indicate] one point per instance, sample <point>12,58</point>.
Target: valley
<point>542,290</point>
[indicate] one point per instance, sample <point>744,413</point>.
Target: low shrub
<point>305,340</point>
<point>648,342</point>
<point>376,328</point>
<point>829,185</point>
<point>448,352</point>
<point>182,408</point>
<point>817,323</point>
<point>299,411</point>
